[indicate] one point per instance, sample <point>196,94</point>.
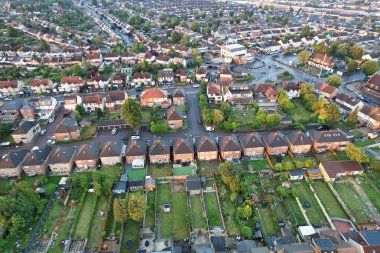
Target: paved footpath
<point>374,213</point>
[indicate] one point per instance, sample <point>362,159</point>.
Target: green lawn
<point>372,194</point>
<point>314,213</point>
<point>208,167</point>
<point>97,223</point>
<point>131,233</point>
<point>244,116</point>
<point>351,198</point>
<point>145,116</point>
<point>196,211</point>
<point>258,164</point>
<point>212,209</point>
<point>357,133</point>
<point>180,224</point>
<point>181,108</point>
<point>164,196</point>
<point>83,226</point>
<point>185,171</point>
<point>55,212</point>
<point>164,170</point>
<point>110,219</point>
<point>150,210</point>
<point>89,130</point>
<point>268,221</point>
<point>294,211</point>
<point>279,209</point>
<point>329,201</point>
<point>340,156</point>
<point>114,172</point>
<point>136,174</point>
<point>364,143</point>
<point>300,113</point>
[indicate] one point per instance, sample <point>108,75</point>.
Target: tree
<point>225,169</point>
<point>283,191</point>
<point>245,211</point>
<point>318,105</point>
<point>330,114</point>
<point>195,26</point>
<point>321,47</point>
<point>356,154</point>
<point>356,52</point>
<point>131,111</point>
<point>99,113</point>
<point>261,116</point>
<point>334,80</point>
<point>273,120</point>
<point>203,85</point>
<point>217,116</point>
<point>176,37</point>
<point>370,67</point>
<point>303,56</point>
<point>232,13</point>
<point>5,130</point>
<point>305,32</point>
<point>120,210</point>
<point>11,32</point>
<point>352,66</point>
<point>136,207</point>
<point>247,232</point>
<point>353,117</point>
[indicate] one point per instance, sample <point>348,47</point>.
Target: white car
<point>114,131</point>
<point>196,85</point>
<point>135,137</point>
<point>43,131</point>
<point>51,142</point>
<point>51,120</point>
<point>35,148</point>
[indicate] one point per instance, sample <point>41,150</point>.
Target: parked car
<point>43,131</point>
<point>373,135</point>
<point>51,142</point>
<point>196,85</point>
<point>51,120</point>
<point>114,131</point>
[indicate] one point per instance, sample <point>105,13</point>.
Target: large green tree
<point>356,154</point>
<point>131,112</point>
<point>136,207</point>
<point>303,56</point>
<point>334,80</point>
<point>370,67</point>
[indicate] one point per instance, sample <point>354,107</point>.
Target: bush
<point>158,128</point>
<point>247,232</point>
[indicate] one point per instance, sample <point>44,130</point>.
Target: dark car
<point>323,128</point>
<point>125,138</point>
<point>200,122</point>
<point>138,89</point>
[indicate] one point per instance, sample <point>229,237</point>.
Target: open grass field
<point>150,210</point>
<point>268,221</point>
<point>208,167</point>
<point>212,209</point>
<point>83,226</point>
<point>180,224</point>
<point>294,211</point>
<point>258,164</point>
<point>160,170</point>
<point>314,213</point>
<point>136,174</point>
<point>351,198</point>
<point>196,211</point>
<point>97,223</point>
<point>331,204</point>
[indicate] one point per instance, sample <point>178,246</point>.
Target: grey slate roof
<point>37,157</point>
<point>13,159</point>
<point>62,155</point>
<point>25,127</point>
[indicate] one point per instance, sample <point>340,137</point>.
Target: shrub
<point>247,232</point>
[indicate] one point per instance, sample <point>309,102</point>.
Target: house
<point>136,151</point>
<point>193,185</point>
<point>67,129</point>
<point>322,61</point>
<point>214,93</point>
<point>62,160</point>
<point>182,76</point>
<point>114,100</point>
<point>275,143</point>
<point>370,116</point>
<point>336,169</point>
<point>10,164</point>
<point>112,153</point>
<point>365,241</point>
<point>347,103</point>
<point>71,84</point>
<point>26,132</point>
<point>36,162</point>
<point>111,58</point>
<point>141,78</point>
<point>206,148</point>
<point>296,174</point>
<point>298,142</point>
<point>119,80</point>
<point>154,96</point>
<point>225,75</point>
<point>183,50</point>
<point>39,108</point>
<point>95,59</point>
<point>119,188</point>
<point>183,150</point>
<point>372,88</point>
<point>178,97</point>
<point>200,74</point>
<point>165,76</point>
<point>99,81</point>
<point>150,184</point>
<point>291,89</point>
<point>159,151</point>
<point>10,88</point>
<point>87,157</point>
<point>327,140</point>
<point>229,147</point>
<point>251,145</point>
<point>70,102</point>
<point>10,110</point>
<point>92,102</point>
<point>174,118</point>
<point>326,91</point>
<point>39,86</point>
<point>266,97</point>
